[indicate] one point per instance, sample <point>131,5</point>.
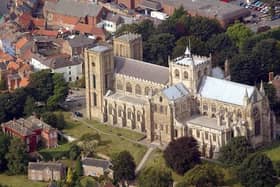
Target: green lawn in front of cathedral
<point>109,144</point>
<point>156,160</point>
<point>273,151</point>
<point>19,181</point>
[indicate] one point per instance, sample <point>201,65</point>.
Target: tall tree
<point>4,144</point>
<point>17,157</point>
<point>69,177</point>
<point>238,33</point>
<point>155,177</point>
<point>123,167</point>
<point>29,106</point>
<point>235,151</point>
<point>79,168</point>
<point>257,170</point>
<point>182,154</point>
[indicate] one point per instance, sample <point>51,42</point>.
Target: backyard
<point>19,181</point>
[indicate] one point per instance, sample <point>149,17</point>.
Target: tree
<point>203,176</point>
<point>235,151</point>
<point>60,122</point>
<point>69,177</point>
<point>277,168</point>
<point>29,106</point>
<point>155,177</point>
<point>60,91</point>
<point>41,83</point>
<point>79,168</point>
<point>182,154</point>
<point>17,157</point>
<point>238,33</point>
<point>4,144</point>
<point>123,167</point>
<point>257,170</point>
<point>50,118</point>
<point>74,152</point>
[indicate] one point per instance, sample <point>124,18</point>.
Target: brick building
<point>31,131</point>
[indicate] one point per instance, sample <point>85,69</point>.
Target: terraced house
<point>166,103</point>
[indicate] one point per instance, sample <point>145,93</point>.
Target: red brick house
<point>68,13</point>
<point>31,131</point>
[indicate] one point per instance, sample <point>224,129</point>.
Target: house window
<point>94,99</point>
<point>177,73</point>
<point>138,89</point>
<point>128,87</point>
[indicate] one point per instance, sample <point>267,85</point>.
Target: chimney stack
<point>270,77</point>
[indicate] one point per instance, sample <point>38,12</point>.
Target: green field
<point>273,151</point>
<point>19,181</point>
<point>110,144</point>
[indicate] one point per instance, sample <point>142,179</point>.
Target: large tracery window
<point>257,119</point>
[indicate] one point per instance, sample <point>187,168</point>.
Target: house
<point>112,22</point>
<point>60,63</point>
<point>31,131</point>
<point>167,103</point>
<point>96,167</point>
<point>68,13</point>
<point>46,171</point>
<point>74,45</point>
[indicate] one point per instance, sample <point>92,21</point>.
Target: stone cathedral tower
<point>99,69</point>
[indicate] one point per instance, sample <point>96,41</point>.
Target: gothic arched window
<point>138,89</point>
<point>147,90</point>
<point>186,75</point>
<point>257,119</point>
<point>128,87</point>
<point>177,73</point>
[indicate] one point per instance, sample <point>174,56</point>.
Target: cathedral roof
<point>141,70</point>
<point>224,91</point>
<point>176,91</point>
<point>190,60</point>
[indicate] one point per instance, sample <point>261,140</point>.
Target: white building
<point>112,22</point>
<point>71,68</point>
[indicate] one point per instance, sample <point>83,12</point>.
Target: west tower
<point>99,69</point>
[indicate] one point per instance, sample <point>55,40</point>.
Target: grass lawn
<point>109,144</point>
<point>273,151</point>
<point>157,160</point>
<point>19,181</point>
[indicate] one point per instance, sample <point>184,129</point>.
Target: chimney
<point>270,77</point>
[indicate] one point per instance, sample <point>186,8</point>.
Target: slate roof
<point>224,91</point>
<point>114,18</point>
<point>73,8</point>
<point>141,70</point>
<point>150,4</point>
<point>175,92</point>
<point>43,165</point>
<point>81,41</point>
<point>105,164</point>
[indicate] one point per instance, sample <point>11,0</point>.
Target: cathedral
<point>166,103</point>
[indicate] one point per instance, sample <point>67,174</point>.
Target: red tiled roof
<point>24,19</point>
<point>5,57</point>
<point>12,66</point>
<point>21,42</point>
<point>45,32</point>
<point>24,82</point>
<point>90,29</point>
<point>38,22</point>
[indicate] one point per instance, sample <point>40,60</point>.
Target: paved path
<point>144,159</point>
